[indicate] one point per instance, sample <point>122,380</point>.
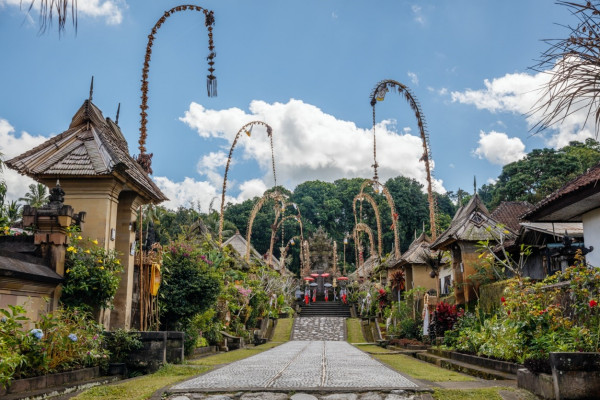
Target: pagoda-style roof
<point>92,147</point>
<point>568,203</point>
<point>22,266</point>
<point>416,252</point>
<point>471,223</point>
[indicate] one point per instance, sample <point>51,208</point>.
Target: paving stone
<point>303,396</point>
<point>340,396</point>
<point>197,396</point>
<point>180,398</point>
<point>370,396</point>
<point>264,396</point>
<point>219,397</point>
<point>302,364</point>
<point>399,396</point>
<point>319,328</point>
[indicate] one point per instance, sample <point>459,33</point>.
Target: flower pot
<point>576,375</point>
<point>117,369</point>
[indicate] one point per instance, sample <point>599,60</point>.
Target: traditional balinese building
<point>471,223</point>
<point>239,244</point>
<point>414,262</point>
<point>32,266</point>
<point>577,201</point>
<point>91,159</point>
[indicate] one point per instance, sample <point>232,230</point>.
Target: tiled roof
<point>91,147</point>
<point>238,243</point>
<point>17,265</point>
<point>583,186</point>
<point>508,213</point>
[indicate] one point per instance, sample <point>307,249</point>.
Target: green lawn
<point>142,388</point>
<point>354,332</point>
<point>283,330</point>
<point>420,369</point>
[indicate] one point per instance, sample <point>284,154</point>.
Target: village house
<point>577,201</point>
<point>91,159</point>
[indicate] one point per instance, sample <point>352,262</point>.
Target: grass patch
<point>421,369</point>
<point>354,331</point>
<point>283,330</point>
<point>372,348</point>
<point>470,394</point>
<point>143,387</point>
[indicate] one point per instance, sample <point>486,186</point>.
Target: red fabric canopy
<point>342,278</point>
<point>325,275</point>
<point>309,278</point>
<point>314,275</point>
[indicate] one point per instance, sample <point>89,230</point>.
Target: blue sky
<point>306,68</point>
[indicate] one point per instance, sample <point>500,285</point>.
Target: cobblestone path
<point>319,328</point>
<point>299,365</point>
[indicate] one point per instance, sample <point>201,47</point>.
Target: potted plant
<point>120,343</point>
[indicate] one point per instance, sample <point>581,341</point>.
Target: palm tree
<point>13,212</point>
<point>50,8</point>
<point>37,195</point>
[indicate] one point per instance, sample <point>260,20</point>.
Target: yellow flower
<point>95,241</point>
<point>79,237</point>
<point>71,249</point>
<point>68,270</point>
<point>99,260</point>
<point>70,234</point>
<point>87,251</point>
<point>101,267</point>
<point>118,262</point>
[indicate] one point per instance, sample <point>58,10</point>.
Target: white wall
<point>591,234</point>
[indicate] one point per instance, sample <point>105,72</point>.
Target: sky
<point>306,68</point>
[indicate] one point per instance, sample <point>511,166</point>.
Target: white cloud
<point>334,15</point>
<point>498,148</point>
<point>520,93</point>
<point>416,9</point>
<point>413,77</point>
<point>309,144</point>
<point>11,146</point>
<point>110,10</point>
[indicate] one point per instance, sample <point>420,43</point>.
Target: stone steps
<point>325,309</point>
<point>465,368</point>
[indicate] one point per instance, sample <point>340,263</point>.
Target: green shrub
<point>122,342</point>
<point>63,340</point>
<point>92,274</point>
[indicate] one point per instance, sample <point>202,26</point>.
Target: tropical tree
<point>37,195</point>
<point>573,64</point>
<point>13,212</point>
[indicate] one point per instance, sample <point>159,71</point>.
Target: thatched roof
<point>92,147</point>
<point>471,223</point>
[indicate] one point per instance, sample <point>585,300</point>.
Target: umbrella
<point>309,278</point>
<point>313,284</point>
<point>327,285</point>
<point>325,275</point>
<point>314,275</point>
<point>342,278</point>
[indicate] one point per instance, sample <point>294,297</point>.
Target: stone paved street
<point>300,365</point>
<point>319,328</point>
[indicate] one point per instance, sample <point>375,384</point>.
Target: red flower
<point>593,303</point>
<point>508,312</point>
<point>502,299</point>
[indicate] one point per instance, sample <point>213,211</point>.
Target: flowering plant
<point>61,341</point>
<point>92,274</point>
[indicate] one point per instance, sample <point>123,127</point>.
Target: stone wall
<point>158,348</point>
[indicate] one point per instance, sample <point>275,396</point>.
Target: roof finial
<point>91,88</point>
<point>474,185</point>
<point>118,112</point>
